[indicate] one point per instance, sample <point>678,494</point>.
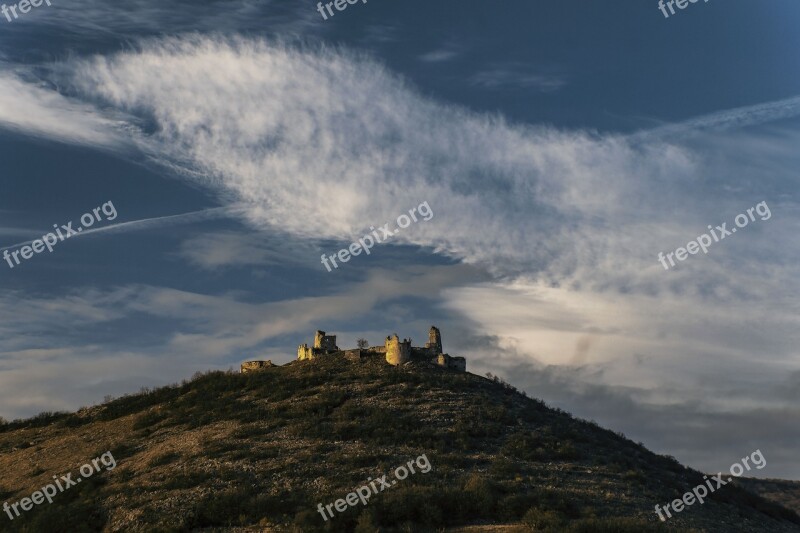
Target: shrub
<point>541,520</point>
<point>366,522</point>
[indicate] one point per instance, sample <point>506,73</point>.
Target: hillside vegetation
<point>259,451</point>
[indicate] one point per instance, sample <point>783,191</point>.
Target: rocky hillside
<point>260,451</point>
<point>787,493</point>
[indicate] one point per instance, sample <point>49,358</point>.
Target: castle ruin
<point>323,345</point>
<point>394,351</point>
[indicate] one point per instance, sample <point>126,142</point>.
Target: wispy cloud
<point>150,223</point>
<point>728,119</point>
<point>446,52</point>
<point>40,111</point>
<point>220,249</point>
<point>283,130</point>
<point>517,77</point>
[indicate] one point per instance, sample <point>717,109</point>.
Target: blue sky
<point>560,145</point>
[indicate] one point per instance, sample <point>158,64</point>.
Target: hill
<point>786,493</point>
<point>264,451</point>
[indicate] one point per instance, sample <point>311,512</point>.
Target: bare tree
<point>362,344</point>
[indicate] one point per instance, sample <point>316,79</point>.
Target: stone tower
<point>434,344</point>
<point>325,342</point>
<point>397,351</point>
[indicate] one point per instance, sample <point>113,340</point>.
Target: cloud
<point>26,320</point>
<point>95,21</point>
<point>445,53</point>
<point>41,112</point>
<point>380,34</point>
<point>517,77</point>
<point>728,119</point>
<point>707,439</point>
<point>284,130</point>
<point>146,223</point>
<point>212,251</point>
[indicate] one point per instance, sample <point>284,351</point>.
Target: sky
<point>219,149</point>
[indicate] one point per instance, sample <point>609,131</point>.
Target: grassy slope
<point>259,451</point>
<point>787,493</point>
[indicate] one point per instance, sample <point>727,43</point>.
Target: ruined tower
<point>397,351</point>
<point>434,344</point>
<point>305,352</point>
<point>325,342</point>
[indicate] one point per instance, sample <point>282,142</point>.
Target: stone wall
<point>254,366</point>
<point>458,363</point>
<point>453,363</point>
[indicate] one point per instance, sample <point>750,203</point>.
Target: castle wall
<point>458,363</point>
<point>305,352</point>
<point>421,353</point>
<point>253,366</point>
<point>453,363</point>
<point>397,352</point>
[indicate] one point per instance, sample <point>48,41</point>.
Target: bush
<point>540,520</point>
<point>366,522</point>
<point>481,493</point>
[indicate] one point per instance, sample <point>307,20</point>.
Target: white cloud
<point>35,110</point>
<point>288,132</point>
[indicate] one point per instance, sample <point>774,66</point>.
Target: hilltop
<point>259,451</point>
